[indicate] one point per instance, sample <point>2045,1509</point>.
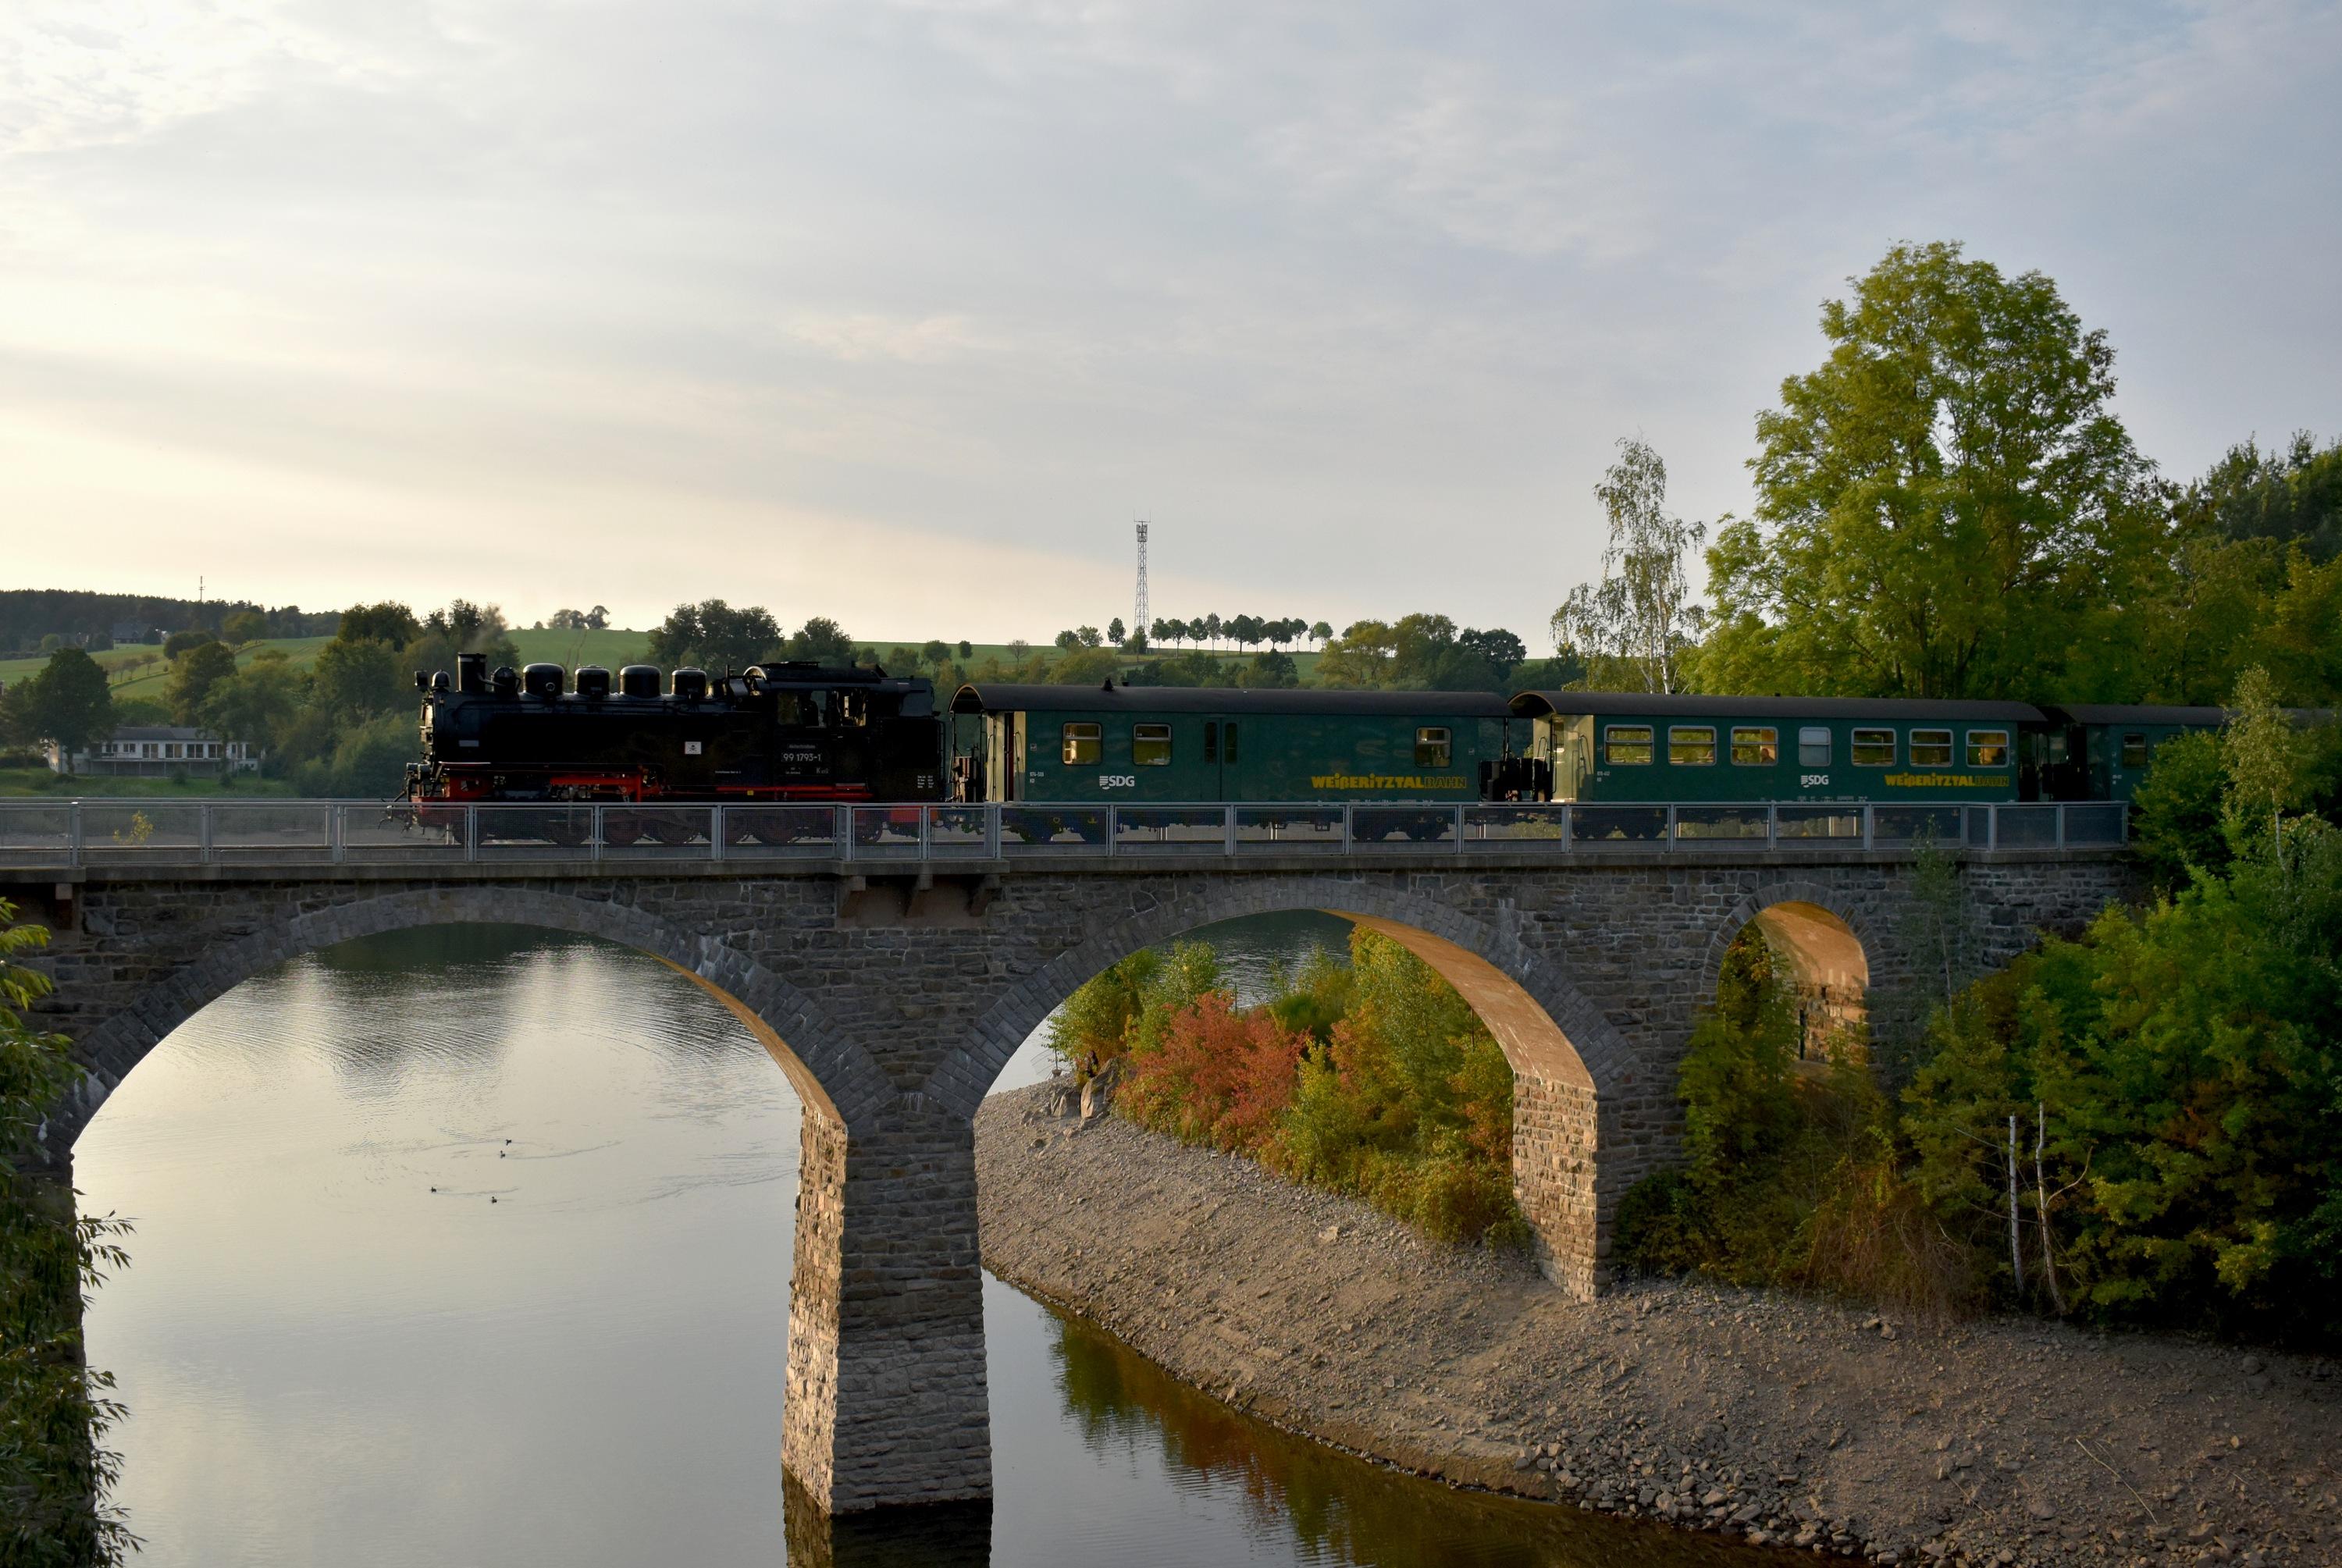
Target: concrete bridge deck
<point>893,987</point>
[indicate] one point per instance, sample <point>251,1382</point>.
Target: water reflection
<point>1335,1509</point>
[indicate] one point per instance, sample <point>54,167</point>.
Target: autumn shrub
<point>1211,1075</point>
<point>1373,1079</point>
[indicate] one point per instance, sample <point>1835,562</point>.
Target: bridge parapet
<point>162,831</point>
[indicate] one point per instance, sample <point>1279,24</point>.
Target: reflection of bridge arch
<point>831,1074</point>
<point>1563,1051</point>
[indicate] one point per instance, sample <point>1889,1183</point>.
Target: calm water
<point>328,1361</point>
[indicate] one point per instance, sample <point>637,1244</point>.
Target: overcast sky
<point>903,313</point>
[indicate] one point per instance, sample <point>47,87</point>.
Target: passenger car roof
<point>992,697</point>
<point>1673,704</point>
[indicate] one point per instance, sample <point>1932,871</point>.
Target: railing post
<point>843,831</point>
<point>2061,825</point>
<point>592,832</point>
<point>336,850</point>
<point>926,838</point>
<point>1228,828</point>
<point>1671,828</point>
<point>1867,827</point>
<point>471,832</point>
<point>203,831</point>
<point>992,831</point>
<point>717,833</point>
<point>1568,828</point>
<point>1773,826</point>
<point>1459,828</point>
<point>1349,828</point>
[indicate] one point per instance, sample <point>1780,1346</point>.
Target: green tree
<point>387,621</point>
<point>822,641</point>
<point>2175,811</point>
<point>258,704</point>
<point>716,637</point>
<point>1635,625</point>
<point>178,643</point>
<point>55,1411</point>
<point>353,681</point>
<point>1272,670</point>
<point>243,626</point>
<point>193,676</point>
<point>68,702</point>
<point>1938,503</point>
<point>2264,756</point>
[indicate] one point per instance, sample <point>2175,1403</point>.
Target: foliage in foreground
<point>1375,1080</point>
<point>2141,1126</point>
<point>54,1410</point>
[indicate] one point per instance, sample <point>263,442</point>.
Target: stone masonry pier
<point>893,998</point>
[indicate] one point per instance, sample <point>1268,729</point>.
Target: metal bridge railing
<point>162,832</point>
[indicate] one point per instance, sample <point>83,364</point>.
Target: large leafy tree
<point>68,702</point>
<point>716,637</point>
<point>1937,501</point>
<point>199,671</point>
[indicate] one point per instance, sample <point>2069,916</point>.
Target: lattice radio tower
<point>1138,627</point>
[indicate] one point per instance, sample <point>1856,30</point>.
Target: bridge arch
<point>835,1077</point>
<point>1564,1053</point>
<point>1826,943</point>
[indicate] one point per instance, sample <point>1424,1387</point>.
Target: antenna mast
<point>1138,626</point>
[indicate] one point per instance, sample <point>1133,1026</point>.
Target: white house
<point>158,751</point>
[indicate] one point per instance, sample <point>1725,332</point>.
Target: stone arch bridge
<point>894,1001</point>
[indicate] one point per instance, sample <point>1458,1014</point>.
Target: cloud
<point>1351,299</point>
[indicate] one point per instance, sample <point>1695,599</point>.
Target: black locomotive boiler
<point>774,733</point>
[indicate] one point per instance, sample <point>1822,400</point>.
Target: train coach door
<point>1223,744</point>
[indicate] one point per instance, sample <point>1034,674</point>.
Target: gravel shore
<point>1785,1420</point>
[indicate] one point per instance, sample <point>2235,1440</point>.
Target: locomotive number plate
<point>691,748</point>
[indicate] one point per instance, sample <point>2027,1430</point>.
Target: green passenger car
<point>1647,746</point>
<point>2101,752</point>
<point>1196,745</point>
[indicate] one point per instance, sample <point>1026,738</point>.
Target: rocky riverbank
<point>1788,1421</point>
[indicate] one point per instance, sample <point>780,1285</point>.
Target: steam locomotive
<point>774,733</point>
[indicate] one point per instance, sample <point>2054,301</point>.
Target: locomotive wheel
<point>621,832</point>
<point>569,833</point>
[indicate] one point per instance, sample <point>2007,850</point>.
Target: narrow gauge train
<point>783,732</point>
<point>776,733</point>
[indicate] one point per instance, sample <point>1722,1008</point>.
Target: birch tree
<point>1631,629</point>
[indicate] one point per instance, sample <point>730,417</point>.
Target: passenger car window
<point>1082,746</point>
<point>1756,748</point>
<point>1150,746</point>
<point>1814,746</point>
<point>1625,745</point>
<point>1987,748</point>
<point>1432,748</point>
<point>1691,746</point>
<point>1873,748</point>
<point>2134,751</point>
<point>1931,748</point>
